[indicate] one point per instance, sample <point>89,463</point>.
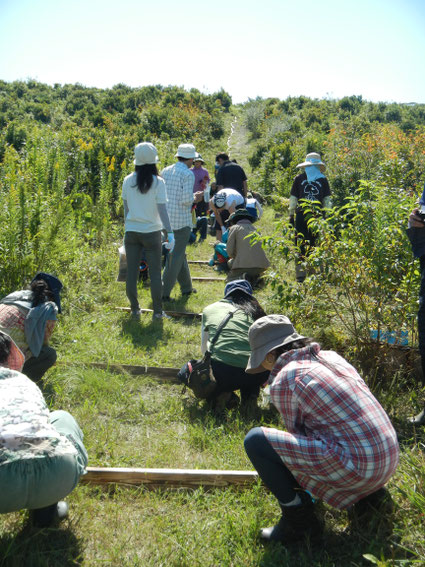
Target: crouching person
<point>339,444</point>
<point>230,351</point>
<point>29,317</point>
<point>248,259</point>
<point>42,455</point>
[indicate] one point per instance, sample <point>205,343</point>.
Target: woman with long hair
<point>231,350</point>
<point>29,317</point>
<point>144,196</point>
<point>339,444</point>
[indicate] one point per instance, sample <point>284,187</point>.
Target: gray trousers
<point>176,267</point>
<point>135,243</point>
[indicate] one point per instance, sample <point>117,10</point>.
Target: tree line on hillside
<point>359,140</point>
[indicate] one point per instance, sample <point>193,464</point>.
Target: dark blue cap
<point>53,283</point>
<point>241,285</point>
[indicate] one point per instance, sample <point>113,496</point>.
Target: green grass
<point>142,422</point>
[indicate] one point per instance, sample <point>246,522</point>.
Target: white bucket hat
<point>145,153</point>
<point>266,334</point>
<point>313,159</point>
<point>186,151</point>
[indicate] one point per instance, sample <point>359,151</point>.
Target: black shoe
<point>186,293</point>
<point>45,517</point>
<point>296,524</point>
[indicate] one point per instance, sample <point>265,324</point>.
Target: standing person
<point>248,258</point>
<point>311,185</point>
<point>223,204</point>
<point>339,444</point>
<point>416,235</point>
<point>230,174</point>
<point>231,350</point>
<point>42,455</point>
<point>202,180</point>
<point>179,181</point>
<point>144,197</point>
<point>29,317</point>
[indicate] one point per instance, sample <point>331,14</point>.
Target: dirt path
<point>238,146</point>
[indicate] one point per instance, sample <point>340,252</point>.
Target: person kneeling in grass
<point>339,444</point>
<point>248,259</point>
<point>42,455</point>
<point>231,350</point>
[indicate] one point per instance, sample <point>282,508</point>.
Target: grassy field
<point>142,422</point>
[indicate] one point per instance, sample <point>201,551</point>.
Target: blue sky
<point>279,48</point>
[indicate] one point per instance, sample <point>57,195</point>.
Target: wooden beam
<point>170,313</point>
<point>208,279</point>
<point>168,478</point>
<point>165,373</point>
<point>198,262</point>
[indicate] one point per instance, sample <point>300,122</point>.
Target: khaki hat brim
<point>256,359</point>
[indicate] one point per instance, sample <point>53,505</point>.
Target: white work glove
<point>169,245</point>
<point>223,230</point>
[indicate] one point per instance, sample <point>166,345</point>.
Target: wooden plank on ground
<point>206,262</point>
<point>168,478</point>
<point>167,374</point>
<point>208,279</point>
<point>187,314</point>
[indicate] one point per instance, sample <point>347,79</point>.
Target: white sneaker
<point>136,313</point>
<point>161,315</point>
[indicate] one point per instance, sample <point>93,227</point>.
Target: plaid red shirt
<point>12,322</point>
<point>339,444</point>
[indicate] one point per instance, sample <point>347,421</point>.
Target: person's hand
<point>415,220</point>
<point>198,196</point>
<point>169,245</point>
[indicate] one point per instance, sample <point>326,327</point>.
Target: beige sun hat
<point>186,151</point>
<point>145,153</point>
<point>313,159</point>
<point>266,334</point>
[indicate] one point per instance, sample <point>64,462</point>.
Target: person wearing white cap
<point>223,204</point>
<point>338,445</point>
<point>144,196</point>
<point>311,185</point>
<point>179,180</point>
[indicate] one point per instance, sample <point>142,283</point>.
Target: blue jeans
<point>269,465</point>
